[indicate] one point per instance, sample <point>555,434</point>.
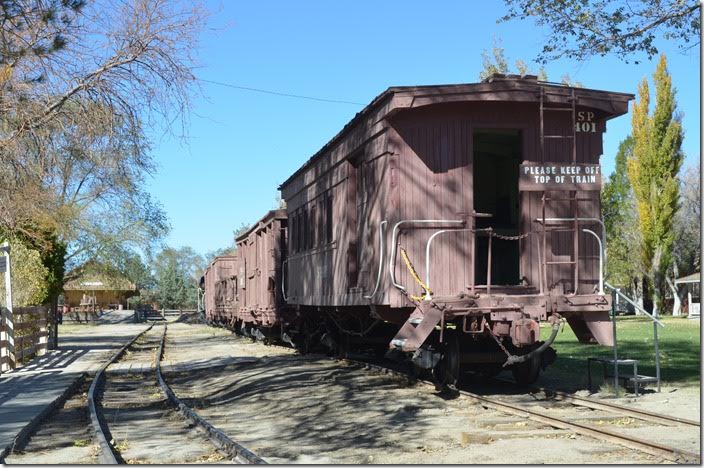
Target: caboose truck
<point>448,221</point>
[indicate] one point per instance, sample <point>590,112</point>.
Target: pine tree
<point>652,169</point>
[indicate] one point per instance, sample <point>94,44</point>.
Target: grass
<point>679,351</point>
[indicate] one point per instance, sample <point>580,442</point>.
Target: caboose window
<point>306,229</point>
<point>299,230</point>
<point>328,217</point>
<point>313,224</point>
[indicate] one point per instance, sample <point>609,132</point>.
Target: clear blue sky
<point>243,144</point>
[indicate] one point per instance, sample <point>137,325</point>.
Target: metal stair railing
<point>653,317</point>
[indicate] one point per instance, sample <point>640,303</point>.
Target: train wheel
<point>489,370</point>
<point>447,371</point>
<point>527,372</point>
<point>343,345</point>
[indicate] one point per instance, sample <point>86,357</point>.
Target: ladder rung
<point>558,136</point>
<point>571,262</point>
<point>568,199</point>
<point>569,109</point>
<point>559,230</point>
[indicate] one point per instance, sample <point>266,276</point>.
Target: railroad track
<point>665,452</point>
<point>658,418</point>
<point>101,415</point>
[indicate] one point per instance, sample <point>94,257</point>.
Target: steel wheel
<point>447,371</point>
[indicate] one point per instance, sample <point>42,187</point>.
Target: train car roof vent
<point>494,77</point>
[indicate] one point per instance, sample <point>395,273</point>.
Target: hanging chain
<point>498,342</point>
<point>512,238</point>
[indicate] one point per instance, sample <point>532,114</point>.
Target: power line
<point>276,93</point>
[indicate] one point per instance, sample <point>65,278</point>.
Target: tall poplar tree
<point>619,213</point>
<point>652,169</point>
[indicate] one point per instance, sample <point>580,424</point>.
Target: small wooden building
<point>109,290</point>
<point>692,283</point>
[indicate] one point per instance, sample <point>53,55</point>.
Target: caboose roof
<point>496,88</point>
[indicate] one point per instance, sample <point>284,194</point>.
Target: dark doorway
<point>497,158</point>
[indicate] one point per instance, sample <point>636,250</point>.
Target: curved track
<point>109,454</point>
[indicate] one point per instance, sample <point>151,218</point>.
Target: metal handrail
<point>392,259</point>
<point>427,253</point>
<point>630,301</point>
<point>283,280</point>
<point>601,258</point>
<point>381,259</point>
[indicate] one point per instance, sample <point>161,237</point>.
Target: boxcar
<point>449,221</point>
<point>220,282</point>
<point>258,285</point>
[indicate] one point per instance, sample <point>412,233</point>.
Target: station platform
<point>29,392</point>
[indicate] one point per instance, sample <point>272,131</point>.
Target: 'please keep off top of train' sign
<point>559,176</point>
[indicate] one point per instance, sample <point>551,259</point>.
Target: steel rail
<point>107,455</point>
<point>239,453</point>
<point>653,448</point>
<point>664,419</point>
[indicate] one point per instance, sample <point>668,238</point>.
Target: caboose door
<point>497,155</point>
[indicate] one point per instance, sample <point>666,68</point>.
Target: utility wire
<point>276,93</point>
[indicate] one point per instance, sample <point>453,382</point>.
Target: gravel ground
<point>309,409</point>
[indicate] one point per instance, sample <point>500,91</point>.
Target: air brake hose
<point>514,359</point>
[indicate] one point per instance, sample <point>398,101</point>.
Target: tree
<point>29,276</point>
<point>580,29</point>
<point>80,83</point>
<point>176,273</point>
<point>652,170</point>
<point>496,62</point>
<point>171,290</point>
<point>619,214</point>
<point>688,248</point>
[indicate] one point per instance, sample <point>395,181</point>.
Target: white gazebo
<point>691,282</point>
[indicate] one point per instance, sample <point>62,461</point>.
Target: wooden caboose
<point>474,204</point>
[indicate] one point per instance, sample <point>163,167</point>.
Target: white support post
<point>7,316</point>
<point>43,343</point>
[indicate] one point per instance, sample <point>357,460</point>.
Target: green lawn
<point>679,352</point>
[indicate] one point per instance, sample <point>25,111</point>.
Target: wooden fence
<point>147,313</point>
<point>23,335</point>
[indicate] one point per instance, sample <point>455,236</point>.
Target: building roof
<point>90,280</point>
<point>693,278</point>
